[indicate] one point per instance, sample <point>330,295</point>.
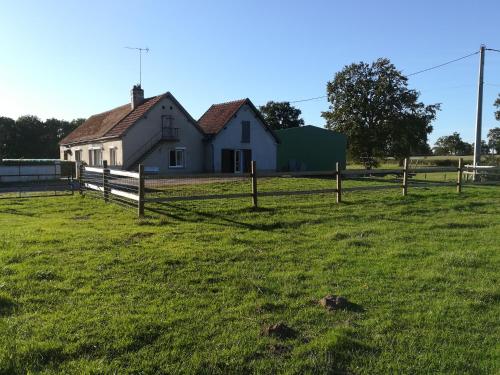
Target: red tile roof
<point>218,115</point>
<point>110,124</point>
<point>133,116</point>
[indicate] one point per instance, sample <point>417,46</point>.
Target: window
<point>176,158</point>
<point>95,157</point>
<point>245,131</point>
<point>112,156</point>
<point>237,161</point>
<point>78,155</point>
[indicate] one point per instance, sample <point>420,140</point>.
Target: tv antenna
<point>140,60</point>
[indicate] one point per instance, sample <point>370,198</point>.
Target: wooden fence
<point>135,189</point>
<point>122,187</point>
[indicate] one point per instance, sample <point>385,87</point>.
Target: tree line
<point>31,138</point>
<point>372,105</point>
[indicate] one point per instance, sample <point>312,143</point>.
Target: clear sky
<point>66,59</point>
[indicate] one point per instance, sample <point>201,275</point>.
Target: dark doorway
<point>227,161</point>
<point>236,161</point>
<point>247,161</point>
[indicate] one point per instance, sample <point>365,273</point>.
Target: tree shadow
<point>194,215</point>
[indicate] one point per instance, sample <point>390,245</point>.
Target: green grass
<point>86,287</point>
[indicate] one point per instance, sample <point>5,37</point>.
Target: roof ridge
<point>231,102</point>
<point>130,113</point>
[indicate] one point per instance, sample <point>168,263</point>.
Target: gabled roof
<point>218,115</point>
<point>116,122</point>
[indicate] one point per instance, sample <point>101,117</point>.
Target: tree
<point>452,145</point>
<point>281,115</point>
<point>29,137</point>
<point>373,107</point>
<point>497,105</point>
<point>7,136</point>
<point>494,139</point>
<point>485,149</point>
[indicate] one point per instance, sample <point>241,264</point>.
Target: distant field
<point>86,287</point>
<point>430,160</point>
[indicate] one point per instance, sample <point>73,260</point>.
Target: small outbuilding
<point>310,148</point>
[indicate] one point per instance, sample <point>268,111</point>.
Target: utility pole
<point>479,118</point>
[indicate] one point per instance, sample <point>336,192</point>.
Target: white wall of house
<point>104,146</point>
<point>190,140</point>
<point>262,142</point>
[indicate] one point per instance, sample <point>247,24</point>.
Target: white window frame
<point>78,151</point>
<point>112,155</point>
<point>237,161</point>
<point>181,150</point>
<point>92,156</point>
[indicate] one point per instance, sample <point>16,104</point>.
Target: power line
<point>492,49</point>
<point>443,64</point>
<point>309,99</point>
<point>408,75</point>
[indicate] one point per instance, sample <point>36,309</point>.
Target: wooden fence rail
<point>131,186</point>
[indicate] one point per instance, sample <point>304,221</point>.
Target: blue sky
<point>66,59</point>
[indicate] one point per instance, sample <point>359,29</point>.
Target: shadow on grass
<point>7,305</point>
<point>193,215</point>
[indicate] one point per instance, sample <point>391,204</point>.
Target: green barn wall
<point>310,148</point>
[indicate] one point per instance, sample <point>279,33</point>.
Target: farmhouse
<point>160,134</point>
<point>237,134</point>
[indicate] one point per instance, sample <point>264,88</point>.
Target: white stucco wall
<point>104,146</point>
<point>262,142</point>
<point>130,146</point>
<point>190,138</point>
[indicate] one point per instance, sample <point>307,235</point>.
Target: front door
<point>236,161</point>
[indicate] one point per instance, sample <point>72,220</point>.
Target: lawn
<point>85,287</point>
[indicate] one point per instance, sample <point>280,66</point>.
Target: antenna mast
<point>140,60</point>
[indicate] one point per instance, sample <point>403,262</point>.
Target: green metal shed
<point>310,148</point>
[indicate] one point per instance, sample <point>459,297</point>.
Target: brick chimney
<point>136,96</point>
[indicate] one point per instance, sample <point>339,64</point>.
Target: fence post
<point>405,177</point>
<point>140,203</point>
<point>459,175</point>
<point>338,176</point>
<point>81,169</point>
<point>254,183</point>
<point>105,180</point>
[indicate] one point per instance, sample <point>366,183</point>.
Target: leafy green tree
<point>452,145</point>
<point>497,105</point>
<point>494,139</point>
<point>372,105</point>
<point>7,136</point>
<point>29,137</point>
<point>281,115</point>
<point>485,149</point>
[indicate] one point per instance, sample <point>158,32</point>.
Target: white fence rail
<point>122,187</point>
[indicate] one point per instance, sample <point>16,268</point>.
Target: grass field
<point>86,287</point>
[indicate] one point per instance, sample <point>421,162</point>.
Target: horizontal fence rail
<point>121,187</point>
<point>135,189</point>
<point>35,185</point>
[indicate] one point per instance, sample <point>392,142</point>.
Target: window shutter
<point>245,131</point>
